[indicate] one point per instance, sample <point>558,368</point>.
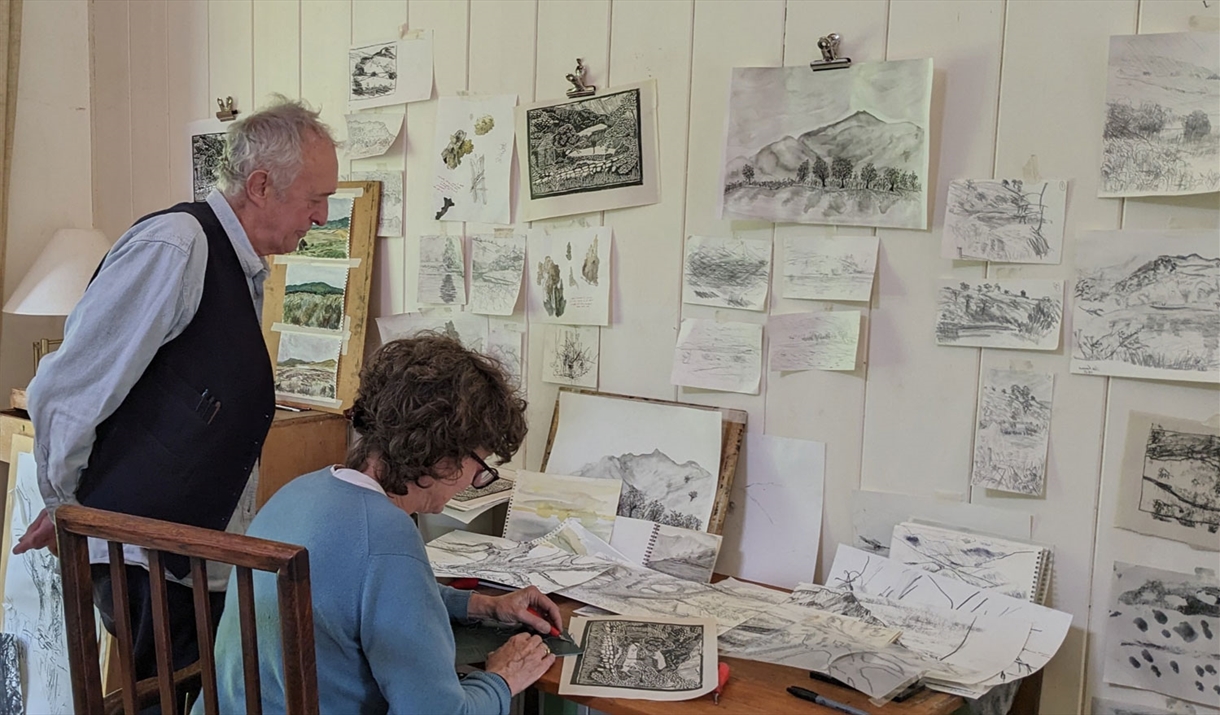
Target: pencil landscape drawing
<point>1019,314</point>
<point>442,270</point>
<point>980,560</point>
<point>1007,220</point>
<point>716,355</point>
<point>684,553</point>
<point>462,554</point>
<point>1014,422</point>
<point>471,330</point>
<point>496,266</point>
<point>727,272</point>
<point>830,267</point>
<point>389,217</point>
<point>828,340</point>
<point>371,134</point>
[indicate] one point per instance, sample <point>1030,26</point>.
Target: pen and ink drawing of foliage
<point>551,280</point>
<point>588,145</point>
<point>374,70</point>
<point>462,554</point>
<point>314,295</point>
<point>1023,314</point>
<point>307,365</point>
<point>442,270</point>
<point>206,153</point>
<point>484,124</point>
<point>496,265</point>
<point>331,239</point>
<point>1014,424</point>
<point>1181,478</point>
<point>641,655</point>
<point>1005,220</point>
<point>1162,127</point>
<point>458,147</point>
<point>656,488</point>
<point>684,553</point>
<point>728,272</point>
<point>574,358</point>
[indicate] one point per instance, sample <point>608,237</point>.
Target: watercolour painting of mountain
<point>846,148</point>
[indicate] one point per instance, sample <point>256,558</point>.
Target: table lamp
<point>58,278</point>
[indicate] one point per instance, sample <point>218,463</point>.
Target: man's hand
<point>40,535</point>
<point>513,608</point>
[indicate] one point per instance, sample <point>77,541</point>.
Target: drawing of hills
<point>1172,280</point>
<point>297,362</point>
<point>315,287</point>
<point>997,308</point>
<point>656,488</point>
<point>1177,84</point>
<point>1184,597</point>
<point>861,137</point>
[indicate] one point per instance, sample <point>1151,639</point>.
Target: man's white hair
<point>270,140</point>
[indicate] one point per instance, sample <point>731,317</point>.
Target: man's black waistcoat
<point>181,445</point>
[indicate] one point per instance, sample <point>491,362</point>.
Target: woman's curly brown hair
<point>426,403</point>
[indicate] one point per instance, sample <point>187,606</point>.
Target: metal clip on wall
<point>829,45</point>
<point>227,113</point>
<point>577,78</point>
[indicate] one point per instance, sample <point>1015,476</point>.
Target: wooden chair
<point>290,564</point>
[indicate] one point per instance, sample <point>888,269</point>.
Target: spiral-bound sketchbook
<point>540,502</point>
<point>1014,568</point>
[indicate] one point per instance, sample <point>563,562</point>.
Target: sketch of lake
<point>307,364</point>
<point>875,514</point>
<point>1169,483</point>
<point>1022,314</point>
<point>496,266</point>
<point>684,553</point>
<point>541,502</point>
<point>389,217</point>
<point>314,295</point>
<point>331,239</point>
<point>1162,115</point>
<point>726,272</point>
<point>1007,220</point>
<point>667,456</point>
<point>462,554</point>
<point>442,270</point>
<point>718,356</point>
<point>570,354</point>
<point>569,275</point>
<point>473,157</point>
<point>1161,634</point>
<point>1013,431</point>
<point>394,72</point>
<point>980,560</point>
<point>848,147</point>
<point>1146,305</point>
<point>371,134</point>
<point>815,341</point>
<point>655,659</point>
<point>467,328</point>
<point>830,267</point>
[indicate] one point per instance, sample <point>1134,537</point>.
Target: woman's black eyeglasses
<point>485,476</point>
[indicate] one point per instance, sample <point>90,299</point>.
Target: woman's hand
<point>513,608</point>
<point>521,661</point>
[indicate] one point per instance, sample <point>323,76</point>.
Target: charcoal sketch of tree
<point>1014,420</point>
<point>1023,314</point>
<point>641,655</point>
<point>1162,105</point>
<point>1005,220</point>
<point>655,488</point>
<point>374,70</point>
<point>1181,478</point>
<point>728,272</point>
<point>442,270</point>
<point>588,145</point>
<point>206,153</point>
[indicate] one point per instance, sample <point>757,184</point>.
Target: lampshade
<point>58,279</point>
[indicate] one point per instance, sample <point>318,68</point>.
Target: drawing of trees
<point>747,173</point>
<point>1196,126</point>
<point>821,171</point>
<point>868,175</point>
<point>802,172</point>
<point>840,170</point>
<point>573,360</point>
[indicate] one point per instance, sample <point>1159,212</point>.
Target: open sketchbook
<point>1015,568</point>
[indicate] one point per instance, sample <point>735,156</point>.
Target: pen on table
<point>825,702</point>
<point>722,678</point>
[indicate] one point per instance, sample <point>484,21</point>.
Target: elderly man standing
<point>159,399</point>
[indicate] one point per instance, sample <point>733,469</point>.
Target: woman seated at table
<point>429,414</point>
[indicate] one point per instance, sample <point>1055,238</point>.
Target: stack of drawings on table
<point>469,503</point>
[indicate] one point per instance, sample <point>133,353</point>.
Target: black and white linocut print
<point>206,152</point>
<point>374,71</point>
<point>592,144</point>
<point>641,655</point>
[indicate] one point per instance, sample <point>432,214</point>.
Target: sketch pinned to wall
<point>442,271</point>
<point>34,599</point>
<point>307,365</point>
<point>1169,483</point>
<point>1146,304</point>
<point>1161,634</point>
<point>371,134</point>
<point>11,700</point>
<point>631,658</point>
<point>393,72</point>
<point>496,265</point>
<point>848,147</point>
<point>684,553</point>
<point>668,457</point>
<point>314,294</point>
<point>1007,220</point>
<point>472,159</point>
<point>207,142</point>
<point>1114,707</point>
<point>468,329</point>
<point>463,554</point>
<point>1019,314</point>
<point>389,222</point>
<point>830,267</point>
<point>815,341</point>
<point>984,561</point>
<point>541,502</point>
<point>504,340</point>
<point>333,238</point>
<point>875,514</point>
<point>570,354</point>
<point>569,275</point>
<point>718,356</point>
<point>726,272</point>
<point>1162,115</point>
<point>591,153</point>
<point>1013,431</point>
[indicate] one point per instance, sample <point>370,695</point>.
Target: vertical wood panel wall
<point>1019,87</point>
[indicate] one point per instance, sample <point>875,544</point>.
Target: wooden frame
<point>362,237</point>
<point>732,430</point>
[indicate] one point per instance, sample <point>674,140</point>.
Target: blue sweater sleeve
<point>457,602</point>
<point>406,637</point>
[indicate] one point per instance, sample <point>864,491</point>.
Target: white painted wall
<point>1019,88</point>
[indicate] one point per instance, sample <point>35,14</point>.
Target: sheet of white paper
<point>662,659</point>
<point>461,554</point>
<point>830,267</point>
<point>504,339</point>
<point>571,354</point>
<point>467,328</point>
<point>1022,314</point>
<point>392,72</point>
<point>727,272</point>
<point>1013,431</point>
<point>786,122</point>
<point>667,456</point>
<point>684,553</point>
<point>874,515</point>
<point>1145,305</point>
<point>589,154</point>
<point>718,356</point>
<point>496,266</point>
<point>542,502</point>
<point>774,521</point>
<point>990,562</point>
<point>828,340</point>
<point>569,271</point>
<point>371,134</point>
<point>1006,220</point>
<point>473,159</point>
<point>389,223</point>
<point>633,538</point>
<point>442,270</point>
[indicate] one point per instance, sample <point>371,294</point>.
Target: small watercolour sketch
<point>314,295</point>
<point>828,340</point>
<point>570,354</point>
<point>727,272</point>
<point>830,267</point>
<point>389,221</point>
<point>629,657</point>
<point>472,166</point>
<point>371,135</point>
<point>1005,220</point>
<point>569,276</point>
<point>333,238</point>
<point>307,365</point>
<point>1018,314</point>
<point>541,502</point>
<point>442,271</point>
<point>496,266</point>
<point>393,72</point>
<point>1014,422</point>
<point>718,356</point>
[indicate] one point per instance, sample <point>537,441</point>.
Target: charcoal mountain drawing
<point>589,145</point>
<point>728,272</point>
<point>374,70</point>
<point>1005,220</point>
<point>1023,314</point>
<point>848,147</point>
<point>1162,126</point>
<point>206,151</point>
<point>1014,422</point>
<point>655,488</point>
<point>641,656</point>
<point>1181,478</point>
